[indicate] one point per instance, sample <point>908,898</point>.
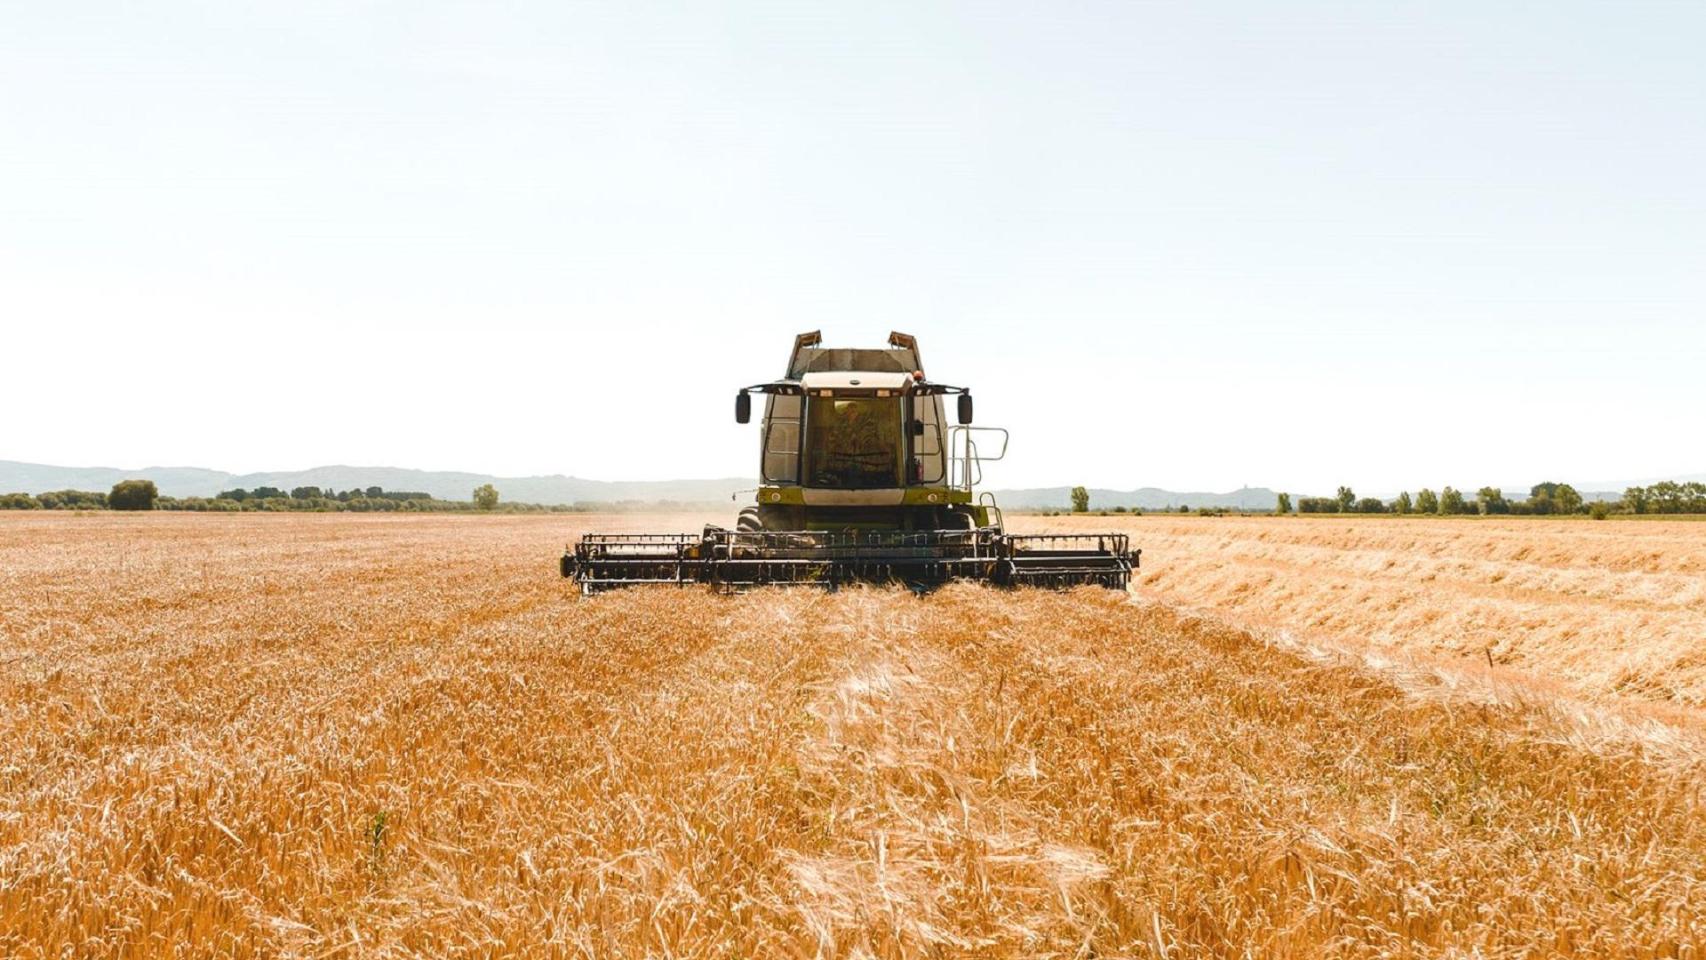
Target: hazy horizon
<point>530,488</point>
<point>1181,246</point>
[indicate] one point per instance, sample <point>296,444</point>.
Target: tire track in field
<point>921,855</point>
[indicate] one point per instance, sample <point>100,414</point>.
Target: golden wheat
<point>378,736</point>
<point>1615,609</point>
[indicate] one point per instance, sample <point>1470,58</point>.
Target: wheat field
<point>1613,609</point>
<point>360,736</point>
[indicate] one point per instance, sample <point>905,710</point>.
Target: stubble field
<point>1612,610</point>
<point>377,736</point>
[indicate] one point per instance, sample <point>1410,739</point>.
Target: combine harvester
<point>864,481</point>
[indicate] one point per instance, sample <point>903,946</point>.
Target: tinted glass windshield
<point>853,442</point>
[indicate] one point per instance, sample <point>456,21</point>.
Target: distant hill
<point>18,477</point>
<point>446,485</point>
<point>1621,485</point>
<point>455,485</point>
<point>558,489</point>
<point>1146,498</point>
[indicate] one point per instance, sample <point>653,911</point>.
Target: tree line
<point>315,493</point>
<point>144,495</point>
<point>1544,499</point>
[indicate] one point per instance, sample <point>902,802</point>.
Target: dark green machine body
<point>781,508</point>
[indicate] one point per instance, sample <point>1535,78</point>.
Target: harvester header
<point>862,479</point>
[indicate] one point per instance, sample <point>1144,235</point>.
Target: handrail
<point>967,458</point>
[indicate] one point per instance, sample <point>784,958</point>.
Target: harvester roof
<point>865,379</point>
<point>810,356</point>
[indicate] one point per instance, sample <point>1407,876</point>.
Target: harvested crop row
<point>1616,610</point>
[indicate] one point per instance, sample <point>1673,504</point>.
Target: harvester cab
<point>862,479</point>
<point>857,440</point>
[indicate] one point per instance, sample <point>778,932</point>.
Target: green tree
<point>374,493</point>
<point>72,500</point>
<point>19,501</point>
<point>1080,500</point>
<point>1371,505</point>
<point>1666,496</point>
<point>1426,501</point>
<point>1635,499</point>
<point>486,497</point>
<point>1347,500</point>
<point>1491,500</point>
<point>1450,501</point>
<point>1694,496</point>
<point>1402,504</point>
<point>1599,510</point>
<point>1550,497</point>
<point>133,495</point>
<point>1284,503</point>
<point>306,493</point>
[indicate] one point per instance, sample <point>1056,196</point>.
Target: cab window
<point>782,440</point>
<point>853,442</point>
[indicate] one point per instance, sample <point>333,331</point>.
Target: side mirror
<point>965,408</point>
<point>918,428</point>
<point>743,407</point>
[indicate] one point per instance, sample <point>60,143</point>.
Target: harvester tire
<point>749,521</point>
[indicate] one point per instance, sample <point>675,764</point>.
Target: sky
<point>1184,245</point>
